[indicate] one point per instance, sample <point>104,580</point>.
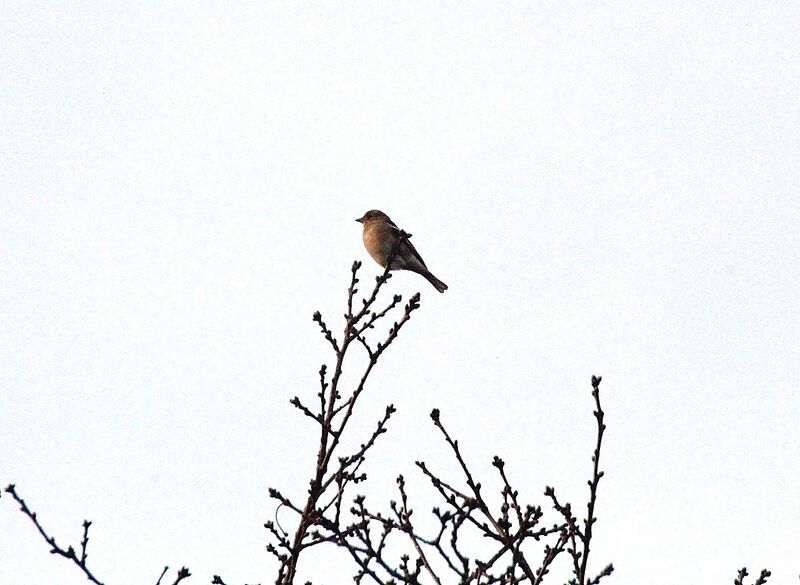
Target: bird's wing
<point>407,241</point>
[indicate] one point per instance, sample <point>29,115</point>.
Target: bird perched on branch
<point>385,241</point>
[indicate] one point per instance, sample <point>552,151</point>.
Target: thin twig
<point>69,553</point>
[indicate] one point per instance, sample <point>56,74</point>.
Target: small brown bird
<point>384,240</point>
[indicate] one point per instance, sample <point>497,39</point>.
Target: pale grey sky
<point>607,190</point>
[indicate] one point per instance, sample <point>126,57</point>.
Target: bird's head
<point>373,215</point>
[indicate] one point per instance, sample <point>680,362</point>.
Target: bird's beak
<point>360,220</point>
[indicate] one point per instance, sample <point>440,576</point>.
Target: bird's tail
<point>438,284</point>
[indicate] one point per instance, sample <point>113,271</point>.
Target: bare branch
<point>69,552</point>
<point>335,412</point>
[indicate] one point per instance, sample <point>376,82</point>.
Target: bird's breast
<point>378,242</point>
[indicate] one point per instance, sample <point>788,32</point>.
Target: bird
<point>386,242</point>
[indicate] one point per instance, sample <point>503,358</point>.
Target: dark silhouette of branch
<point>761,580</point>
<point>164,572</point>
<point>512,530</point>
<point>68,553</point>
<point>476,540</point>
<point>588,523</point>
<point>404,516</point>
<point>183,573</point>
<point>374,539</point>
<point>514,527</point>
<point>335,408</point>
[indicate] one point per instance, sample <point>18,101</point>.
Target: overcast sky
<point>606,190</point>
